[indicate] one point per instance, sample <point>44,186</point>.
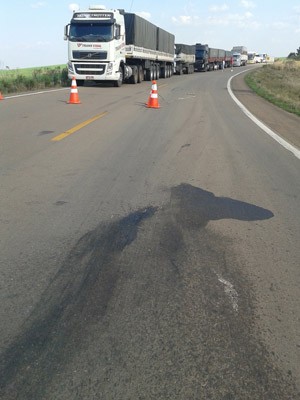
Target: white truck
<point>116,46</point>
<point>236,59</point>
<point>239,55</point>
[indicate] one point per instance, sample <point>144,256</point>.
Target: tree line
<point>295,56</point>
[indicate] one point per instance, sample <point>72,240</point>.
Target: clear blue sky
<point>31,31</point>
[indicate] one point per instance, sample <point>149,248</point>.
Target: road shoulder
<point>281,122</point>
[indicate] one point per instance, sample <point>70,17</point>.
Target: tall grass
<point>23,80</point>
<point>278,83</point>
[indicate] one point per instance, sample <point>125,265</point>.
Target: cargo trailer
<point>116,46</point>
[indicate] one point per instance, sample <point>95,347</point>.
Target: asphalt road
<point>150,254</point>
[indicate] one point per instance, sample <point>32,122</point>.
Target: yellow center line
<point>77,127</point>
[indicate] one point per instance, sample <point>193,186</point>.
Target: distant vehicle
<point>242,50</point>
<point>252,59</point>
<point>184,62</point>
<point>263,57</point>
<point>236,60</point>
<point>209,59</point>
<point>270,59</point>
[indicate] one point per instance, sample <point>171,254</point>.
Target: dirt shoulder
<point>285,124</point>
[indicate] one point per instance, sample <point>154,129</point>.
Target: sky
<point>31,32</point>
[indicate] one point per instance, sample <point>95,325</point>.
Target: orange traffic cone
<point>1,97</point>
<point>153,98</point>
<point>74,98</point>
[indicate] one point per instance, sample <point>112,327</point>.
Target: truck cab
<point>236,59</point>
<point>96,45</point>
<point>201,57</point>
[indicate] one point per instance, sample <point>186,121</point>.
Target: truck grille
<point>90,69</point>
<point>90,55</point>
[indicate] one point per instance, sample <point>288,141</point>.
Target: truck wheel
<point>148,74</point>
<point>157,72</point>
<point>119,82</point>
<point>167,71</point>
<point>140,74</point>
<point>154,73</point>
<point>134,77</point>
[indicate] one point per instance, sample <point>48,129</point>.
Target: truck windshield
<point>199,54</point>
<point>91,32</point>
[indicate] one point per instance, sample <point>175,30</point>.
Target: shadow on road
<point>198,207</point>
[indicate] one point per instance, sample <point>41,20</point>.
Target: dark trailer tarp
<point>213,52</point>
<point>165,41</point>
<point>184,48</point>
<point>140,32</point>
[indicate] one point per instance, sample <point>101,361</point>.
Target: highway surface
<point>147,253</point>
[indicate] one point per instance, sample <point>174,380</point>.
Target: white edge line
<point>269,131</point>
<point>33,93</point>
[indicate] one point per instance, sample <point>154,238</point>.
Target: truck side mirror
<point>66,32</point>
<point>117,32</point>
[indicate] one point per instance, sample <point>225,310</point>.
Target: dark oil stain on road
<point>42,133</point>
<point>184,146</point>
<point>60,203</point>
<point>138,310</point>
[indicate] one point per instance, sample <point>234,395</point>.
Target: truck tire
<point>157,72</point>
<point>134,77</point>
<point>119,82</point>
<point>167,72</point>
<point>154,73</point>
<point>140,74</point>
<point>148,74</point>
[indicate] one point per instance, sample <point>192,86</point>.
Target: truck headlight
<point>70,68</point>
<point>110,67</point>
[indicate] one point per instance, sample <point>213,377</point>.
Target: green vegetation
<point>295,56</point>
<point>278,83</point>
<point>23,80</point>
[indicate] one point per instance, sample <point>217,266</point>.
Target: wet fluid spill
<point>148,299</point>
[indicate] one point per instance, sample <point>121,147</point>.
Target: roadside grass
<point>278,83</point>
<point>27,79</point>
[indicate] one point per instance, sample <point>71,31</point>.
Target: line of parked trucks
<point>116,46</point>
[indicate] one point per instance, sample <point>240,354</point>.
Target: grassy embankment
<point>26,79</point>
<point>278,83</point>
